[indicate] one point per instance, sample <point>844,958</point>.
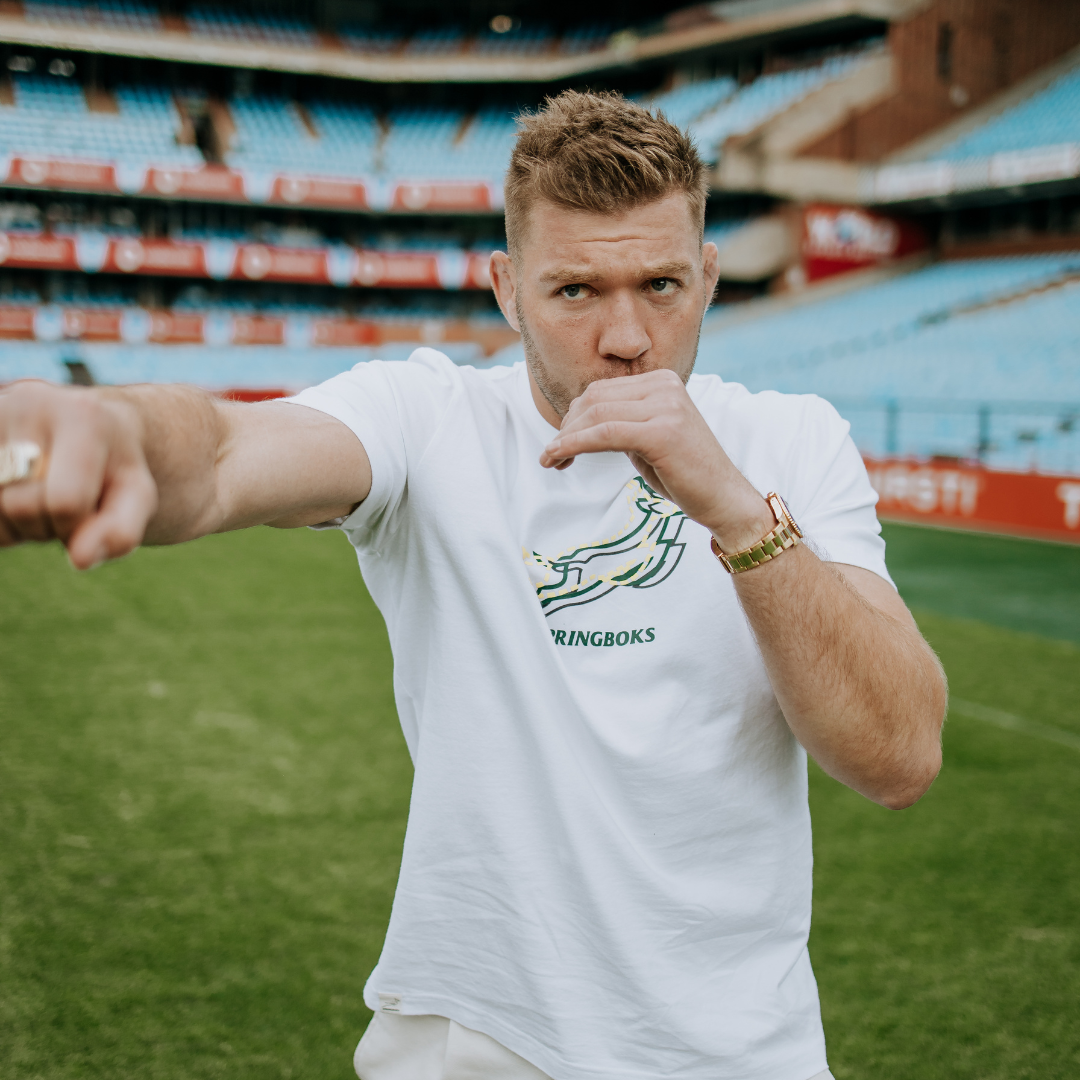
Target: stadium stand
<point>685,104</point>
<point>435,41</point>
<point>117,14</point>
<point>1050,118</point>
<point>765,97</point>
<point>50,116</point>
<point>370,41</point>
<point>428,143</point>
<point>219,22</point>
<point>515,41</point>
<point>1001,331</point>
<point>585,39</point>
<point>348,140</point>
<point>231,265</point>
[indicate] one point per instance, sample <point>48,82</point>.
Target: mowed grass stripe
<point>1009,722</point>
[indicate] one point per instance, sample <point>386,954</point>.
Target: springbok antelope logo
<point>642,554</point>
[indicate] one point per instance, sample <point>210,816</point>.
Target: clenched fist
<point>92,489</point>
<point>651,418</point>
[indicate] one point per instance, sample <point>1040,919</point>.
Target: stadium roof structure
<point>706,28</point>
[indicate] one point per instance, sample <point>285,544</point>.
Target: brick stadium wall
<point>994,44</point>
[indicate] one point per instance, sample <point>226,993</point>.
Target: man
<point>607,869</point>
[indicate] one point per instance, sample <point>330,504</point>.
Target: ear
<point>504,284</point>
<point>710,269</point>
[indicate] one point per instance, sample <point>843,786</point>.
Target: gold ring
<point>18,461</point>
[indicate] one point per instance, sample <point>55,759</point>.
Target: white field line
<point>974,711</point>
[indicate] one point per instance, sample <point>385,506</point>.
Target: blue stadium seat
<point>1049,118</point>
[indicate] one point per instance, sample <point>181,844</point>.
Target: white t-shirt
<point>607,866</point>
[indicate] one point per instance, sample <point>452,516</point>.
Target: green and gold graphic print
<point>642,554</point>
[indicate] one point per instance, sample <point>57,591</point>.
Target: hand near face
<point>652,419</point>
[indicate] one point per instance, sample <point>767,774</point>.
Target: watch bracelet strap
<point>767,548</point>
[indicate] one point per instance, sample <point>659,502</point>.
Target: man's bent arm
<point>860,688</point>
<point>164,464</point>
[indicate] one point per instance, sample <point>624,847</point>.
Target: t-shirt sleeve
<point>394,409</point>
<point>831,497</point>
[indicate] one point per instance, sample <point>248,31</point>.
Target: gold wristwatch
<point>786,535</point>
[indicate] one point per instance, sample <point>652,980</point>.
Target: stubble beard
<point>557,393</point>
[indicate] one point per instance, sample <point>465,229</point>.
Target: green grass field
<point>203,793</point>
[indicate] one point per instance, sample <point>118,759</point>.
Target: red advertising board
<point>442,195</point>
<point>966,496</point>
<point>315,191</point>
<point>209,182</point>
<point>218,183</point>
<point>37,251</point>
<point>836,239</point>
<point>16,322</point>
<point>136,326</point>
<point>62,173</point>
<point>129,255</point>
<point>339,265</point>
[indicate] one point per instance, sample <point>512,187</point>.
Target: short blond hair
<point>599,152</point>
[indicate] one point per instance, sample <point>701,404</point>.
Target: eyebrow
<point>588,276</point>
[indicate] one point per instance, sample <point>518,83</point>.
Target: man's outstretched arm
<point>859,687</point>
<point>163,464</point>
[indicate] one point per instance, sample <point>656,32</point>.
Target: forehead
<point>664,230</point>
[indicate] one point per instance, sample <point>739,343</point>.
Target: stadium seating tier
<point>939,342</point>
<point>1048,118</point>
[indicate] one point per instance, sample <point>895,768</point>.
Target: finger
<point>621,435</point>
<point>631,387</point>
<point>23,506</point>
<point>119,524</point>
<point>599,412</point>
<point>635,410</point>
<point>74,482</point>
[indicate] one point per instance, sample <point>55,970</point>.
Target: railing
<point>1040,436</point>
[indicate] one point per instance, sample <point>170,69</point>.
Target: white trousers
<point>397,1047</point>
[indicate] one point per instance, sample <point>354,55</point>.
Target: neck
<point>543,406</point>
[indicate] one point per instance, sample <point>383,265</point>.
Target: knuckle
<point>87,412</point>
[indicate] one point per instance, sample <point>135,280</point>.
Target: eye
<point>572,292</point>
<point>662,285</point>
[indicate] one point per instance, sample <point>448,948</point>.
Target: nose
<point>623,335</point>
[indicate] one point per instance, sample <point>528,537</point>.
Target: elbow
<point>912,783</point>
<point>912,777</point>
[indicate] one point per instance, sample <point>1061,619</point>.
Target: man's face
<point>597,296</point>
